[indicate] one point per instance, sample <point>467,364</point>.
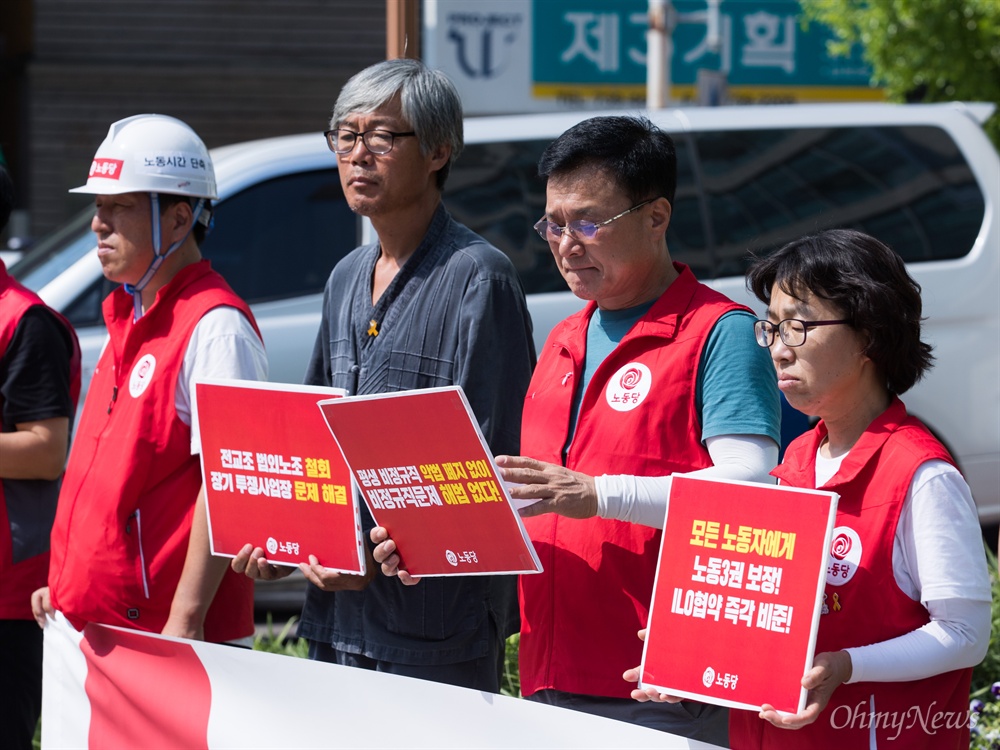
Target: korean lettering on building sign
<point>758,42</point>
<point>613,40</point>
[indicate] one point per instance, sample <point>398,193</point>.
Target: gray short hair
<point>429,101</point>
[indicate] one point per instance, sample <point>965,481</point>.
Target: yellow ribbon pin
<point>373,327</point>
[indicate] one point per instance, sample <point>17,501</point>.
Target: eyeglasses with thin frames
<point>792,331</point>
<point>580,229</point>
<point>380,142</point>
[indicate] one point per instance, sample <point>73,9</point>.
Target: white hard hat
<point>151,154</point>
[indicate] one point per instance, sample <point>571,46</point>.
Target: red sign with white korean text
<point>738,591</point>
<point>273,477</point>
<point>427,476</point>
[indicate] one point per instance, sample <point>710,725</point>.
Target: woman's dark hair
<point>867,281</point>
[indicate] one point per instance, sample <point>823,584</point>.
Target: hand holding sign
<point>252,562</point>
<point>386,556</point>
<point>646,694</point>
<point>330,580</point>
<point>830,670</point>
<point>541,487</point>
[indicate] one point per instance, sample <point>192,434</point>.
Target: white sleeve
<point>957,636</point>
<point>222,345</point>
<point>938,560</point>
<point>643,500</point>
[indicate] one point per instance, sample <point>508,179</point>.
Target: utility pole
<point>402,29</point>
<point>659,52</point>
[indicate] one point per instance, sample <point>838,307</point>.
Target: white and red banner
<point>738,592</point>
<point>273,475</point>
<point>427,475</point>
<point>114,688</point>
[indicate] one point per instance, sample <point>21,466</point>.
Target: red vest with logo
<point>20,577</point>
<point>638,416</point>
<point>863,604</point>
<point>121,530</point>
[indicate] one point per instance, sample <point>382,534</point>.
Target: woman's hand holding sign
<point>829,671</point>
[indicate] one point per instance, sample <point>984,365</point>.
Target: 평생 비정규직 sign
<point>423,468</point>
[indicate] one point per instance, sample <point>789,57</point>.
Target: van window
<point>281,238</point>
<point>275,240</point>
<point>741,190</point>
<point>908,186</point>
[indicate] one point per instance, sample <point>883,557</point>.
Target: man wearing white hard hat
<point>132,494</point>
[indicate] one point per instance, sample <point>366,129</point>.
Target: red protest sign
<point>423,468</point>
<point>273,477</point>
<point>739,584</point>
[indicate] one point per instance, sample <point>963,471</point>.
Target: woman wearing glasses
<point>903,627</point>
<point>900,633</point>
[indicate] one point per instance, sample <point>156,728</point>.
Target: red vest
<point>121,530</point>
<point>579,618</point>
<point>863,603</point>
<point>18,579</point>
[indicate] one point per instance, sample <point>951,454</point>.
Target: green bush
<point>280,643</point>
<point>510,683</point>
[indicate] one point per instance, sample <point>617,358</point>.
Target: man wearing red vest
<point>655,375</point>
<point>132,496</point>
<point>39,385</point>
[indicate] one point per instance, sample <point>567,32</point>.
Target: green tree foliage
<point>922,50</point>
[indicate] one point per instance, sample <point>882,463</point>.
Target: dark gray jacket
<point>454,315</point>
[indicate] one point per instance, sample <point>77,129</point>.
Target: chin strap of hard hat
<point>158,257</point>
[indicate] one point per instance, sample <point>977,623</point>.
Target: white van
<point>922,178</point>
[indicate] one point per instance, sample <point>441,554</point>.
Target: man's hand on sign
<point>647,694</point>
<point>555,488</point>
<point>385,555</point>
<point>330,580</point>
<point>829,671</point>
<point>251,561</point>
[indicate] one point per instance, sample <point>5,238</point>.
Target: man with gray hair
<point>429,304</point>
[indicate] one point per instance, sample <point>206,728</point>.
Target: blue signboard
<point>594,46</point>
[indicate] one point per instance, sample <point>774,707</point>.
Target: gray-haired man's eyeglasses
<point>342,141</point>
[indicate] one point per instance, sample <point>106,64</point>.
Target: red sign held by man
<point>424,471</point>
<point>274,477</point>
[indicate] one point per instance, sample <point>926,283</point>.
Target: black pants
<point>484,673</point>
<point>20,682</point>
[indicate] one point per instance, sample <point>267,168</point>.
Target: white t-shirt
<point>223,345</point>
